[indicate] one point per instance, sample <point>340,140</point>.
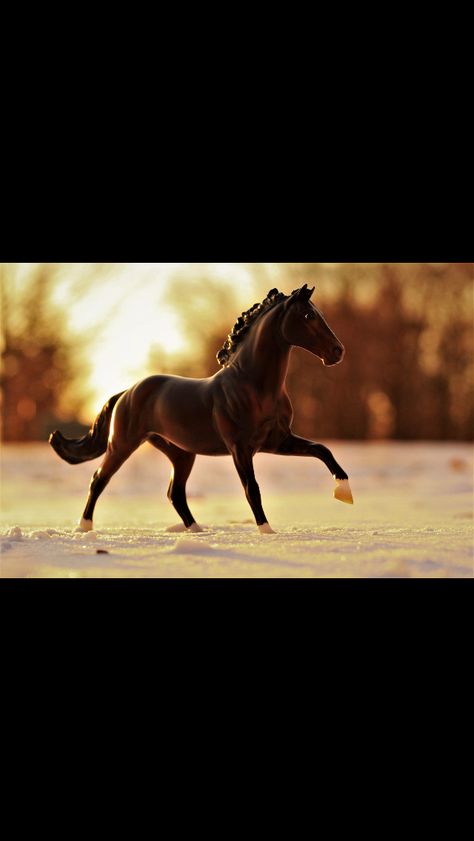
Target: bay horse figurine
<point>242,410</point>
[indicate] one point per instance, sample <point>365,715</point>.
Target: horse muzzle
<point>335,357</point>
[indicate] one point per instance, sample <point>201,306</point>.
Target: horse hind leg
<point>177,490</point>
<point>182,463</point>
<point>113,460</point>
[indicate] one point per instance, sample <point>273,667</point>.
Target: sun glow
<point>122,315</point>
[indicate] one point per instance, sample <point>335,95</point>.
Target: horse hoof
<point>343,492</point>
<point>194,527</point>
<point>84,525</point>
<point>266,528</point>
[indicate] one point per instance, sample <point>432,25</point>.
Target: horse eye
<point>309,316</point>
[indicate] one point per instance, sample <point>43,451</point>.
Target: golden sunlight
<point>121,312</point>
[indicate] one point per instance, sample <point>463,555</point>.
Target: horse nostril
<point>338,352</point>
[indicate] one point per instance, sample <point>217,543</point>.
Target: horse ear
<point>303,294</point>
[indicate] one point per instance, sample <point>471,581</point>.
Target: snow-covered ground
<point>412,517</point>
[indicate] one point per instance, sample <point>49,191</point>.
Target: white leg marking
<point>85,525</point>
<point>343,492</point>
<point>266,528</point>
<point>195,527</point>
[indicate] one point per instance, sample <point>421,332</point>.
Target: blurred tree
<point>408,330</point>
<point>384,388</point>
<point>207,310</point>
<point>42,377</point>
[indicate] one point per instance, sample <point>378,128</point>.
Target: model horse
<point>242,410</point>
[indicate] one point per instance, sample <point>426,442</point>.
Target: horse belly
<point>196,440</point>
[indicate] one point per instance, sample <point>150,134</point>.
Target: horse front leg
<point>293,445</point>
<point>243,460</point>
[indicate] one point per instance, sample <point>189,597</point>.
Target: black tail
<point>92,445</point>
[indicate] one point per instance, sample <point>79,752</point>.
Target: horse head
<point>303,325</point>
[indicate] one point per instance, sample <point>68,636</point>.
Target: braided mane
<point>244,323</point>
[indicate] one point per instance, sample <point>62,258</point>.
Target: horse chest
<point>260,416</point>
<point>274,427</point>
<point>244,414</point>
<point>267,426</point>
<point>262,426</point>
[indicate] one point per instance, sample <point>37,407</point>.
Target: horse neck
<point>264,355</point>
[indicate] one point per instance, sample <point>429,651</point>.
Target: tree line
<point>408,373</point>
<point>408,330</point>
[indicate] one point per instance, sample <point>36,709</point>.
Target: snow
<point>412,516</point>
